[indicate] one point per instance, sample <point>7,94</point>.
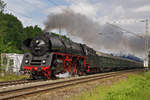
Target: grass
<point>136,87</point>
<point>9,77</point>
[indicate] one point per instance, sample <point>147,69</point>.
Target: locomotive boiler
<point>50,56</point>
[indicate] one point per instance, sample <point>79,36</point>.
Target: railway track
<point>37,87</point>
<point>15,82</point>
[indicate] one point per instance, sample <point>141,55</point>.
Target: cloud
<point>85,8</point>
<point>37,3</point>
<point>54,10</point>
<point>82,7</point>
<point>145,8</point>
<point>28,11</point>
<point>18,8</point>
<point>124,13</point>
<point>112,38</point>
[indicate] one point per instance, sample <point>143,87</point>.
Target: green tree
<point>30,31</point>
<point>2,5</point>
<point>11,30</point>
<point>8,48</point>
<point>13,33</point>
<point>61,36</point>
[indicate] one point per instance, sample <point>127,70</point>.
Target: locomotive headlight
<point>26,61</point>
<point>37,41</point>
<point>43,61</point>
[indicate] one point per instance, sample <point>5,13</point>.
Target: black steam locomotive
<point>50,56</point>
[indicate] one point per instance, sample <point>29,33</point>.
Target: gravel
<point>76,90</point>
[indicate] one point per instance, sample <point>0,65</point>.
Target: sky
<point>124,13</point>
<point>127,14</point>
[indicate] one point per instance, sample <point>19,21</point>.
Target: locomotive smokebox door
<point>26,43</point>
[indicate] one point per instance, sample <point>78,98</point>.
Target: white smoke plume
<point>99,37</point>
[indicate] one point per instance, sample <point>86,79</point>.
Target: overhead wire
<point>116,26</point>
<point>127,31</point>
<point>17,13</point>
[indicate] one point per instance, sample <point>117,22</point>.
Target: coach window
<point>11,62</point>
<point>5,59</point>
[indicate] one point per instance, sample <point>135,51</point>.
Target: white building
<point>146,61</point>
<point>11,62</point>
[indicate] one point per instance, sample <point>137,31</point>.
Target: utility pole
<point>59,29</point>
<point>146,45</point>
<point>146,40</point>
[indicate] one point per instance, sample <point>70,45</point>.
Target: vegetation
<point>136,87</point>
<point>2,5</point>
<point>61,36</point>
<point>12,32</point>
<point>13,77</point>
<point>149,60</point>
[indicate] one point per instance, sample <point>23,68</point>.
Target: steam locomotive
<point>50,56</point>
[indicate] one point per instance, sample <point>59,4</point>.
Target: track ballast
<point>37,87</point>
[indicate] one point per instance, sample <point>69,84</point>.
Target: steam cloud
<point>99,37</point>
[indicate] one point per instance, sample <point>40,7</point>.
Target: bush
<point>136,87</point>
